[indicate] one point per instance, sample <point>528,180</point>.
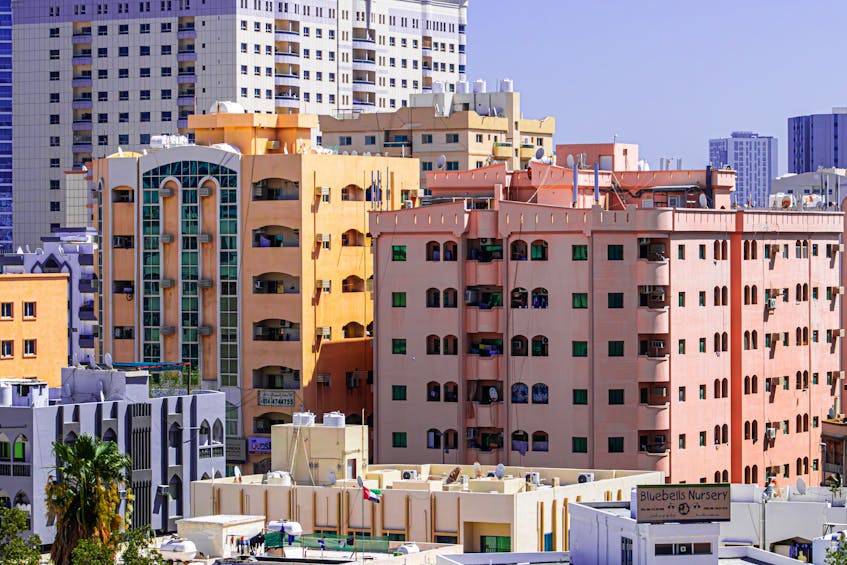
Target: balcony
<point>426,72</point>
<point>655,413</point>
<point>81,82</point>
<point>652,273</point>
<point>182,123</point>
<point>483,273</point>
<point>480,320</point>
<point>286,79</point>
<point>83,147</point>
<point>186,77</point>
<point>364,86</point>
<point>654,442</point>
<point>364,103</point>
<point>653,320</point>
<point>186,56</point>
<point>185,100</point>
<point>288,101</point>
<point>88,286</point>
<point>83,104</point>
<point>653,369</point>
<point>276,330</point>
<point>86,341</point>
<point>502,150</point>
<point>397,144</point>
<point>364,64</point>
<point>81,60</point>
<point>86,313</point>
<point>82,125</point>
<point>527,151</point>
<point>186,33</point>
<point>286,56</point>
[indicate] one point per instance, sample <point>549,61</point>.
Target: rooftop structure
<point>813,141</point>
<point>819,189</point>
<point>70,251</point>
<point>469,129</point>
<point>102,78</point>
<point>755,159</point>
<point>172,439</point>
<point>34,328</point>
<point>681,336</point>
<point>246,256</point>
<point>313,481</point>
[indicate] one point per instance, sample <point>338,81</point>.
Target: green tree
<point>93,552</point>
<point>837,555</point>
<point>138,548</point>
<point>15,547</point>
<point>84,495</point>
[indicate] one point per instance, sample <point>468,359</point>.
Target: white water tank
<point>334,420</point>
<point>463,87</point>
<point>303,419</point>
<point>408,548</point>
<point>480,86</point>
<point>5,395</point>
<point>507,85</point>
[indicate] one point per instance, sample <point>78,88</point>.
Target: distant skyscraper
<point>753,157</point>
<point>5,126</point>
<point>813,141</point>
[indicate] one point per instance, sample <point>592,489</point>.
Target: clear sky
<point>666,74</point>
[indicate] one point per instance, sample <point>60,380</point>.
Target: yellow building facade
<point>247,256</point>
<point>34,326</point>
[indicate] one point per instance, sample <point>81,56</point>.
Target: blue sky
<point>666,74</point>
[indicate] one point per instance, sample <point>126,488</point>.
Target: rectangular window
<point>702,345</point>
<point>615,445</point>
<point>615,396</point>
<point>579,444</point>
<point>426,138</point>
<point>680,251</point>
<point>580,253</point>
<point>7,349</point>
<point>398,439</point>
<point>580,300</point>
<point>681,300</point>
<point>579,348</point>
<point>682,441</point>
<point>702,299</point>
<point>580,396</point>
<point>398,346</point>
<point>495,544</point>
<point>702,251</point>
<point>29,310</point>
<point>615,349</point>
<point>6,311</point>
<point>682,394</point>
<point>398,299</point>
<point>398,392</point>
<point>681,347</point>
<point>615,300</point>
<point>615,253</point>
<point>398,252</point>
<point>29,348</point>
<point>702,392</point>
<point>702,439</point>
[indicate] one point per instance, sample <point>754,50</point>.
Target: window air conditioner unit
<point>205,191</point>
<point>322,237</point>
<point>840,374</point>
<point>840,247</point>
<point>770,433</point>
<point>118,333</point>
<point>95,284</point>
<point>204,283</point>
<point>585,478</point>
<point>323,284</point>
<point>660,391</point>
<point>324,379</point>
<point>421,192</point>
<point>322,190</point>
<point>162,490</point>
<point>168,330</point>
<point>167,283</point>
<point>258,191</point>
<point>646,288</point>
<point>353,381</point>
<point>410,475</point>
<point>167,238</point>
<point>838,290</point>
<point>771,303</point>
<point>272,144</point>
<point>166,192</point>
<point>204,330</point>
<point>205,238</point>
<point>841,333</point>
<point>325,332</point>
<point>408,204</point>
<point>658,344</point>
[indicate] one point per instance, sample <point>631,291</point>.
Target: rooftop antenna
<point>441,162</point>
<point>500,471</point>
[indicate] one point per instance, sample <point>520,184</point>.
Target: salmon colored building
<point>34,326</point>
<point>247,256</point>
<point>643,324</point>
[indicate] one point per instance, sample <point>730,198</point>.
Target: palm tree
<point>84,495</point>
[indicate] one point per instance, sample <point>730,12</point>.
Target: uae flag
<point>371,494</point>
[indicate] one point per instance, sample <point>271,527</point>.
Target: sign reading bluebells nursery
<point>657,504</point>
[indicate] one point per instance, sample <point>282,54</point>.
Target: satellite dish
<point>454,474</point>
<point>801,485</point>
<point>359,481</point>
<point>539,153</point>
<point>493,395</point>
<point>570,160</point>
<point>500,471</point>
<point>354,153</point>
<point>477,470</point>
<point>332,478</point>
<point>441,162</point>
<point>107,360</point>
<point>704,202</point>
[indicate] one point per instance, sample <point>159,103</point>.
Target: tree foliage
<point>83,497</point>
<point>15,547</point>
<point>129,547</point>
<point>837,555</point>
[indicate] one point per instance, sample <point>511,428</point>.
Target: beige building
<point>470,129</point>
<point>315,467</point>
<point>246,256</point>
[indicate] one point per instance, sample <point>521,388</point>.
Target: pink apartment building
<point>641,324</point>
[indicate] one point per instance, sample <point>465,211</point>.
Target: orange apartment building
<point>248,256</point>
<point>34,326</point>
<point>641,324</point>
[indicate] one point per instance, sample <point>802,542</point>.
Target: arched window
<point>5,499</point>
<point>450,297</point>
<point>798,424</point>
<point>805,465</point>
<point>724,434</point>
<point>717,432</point>
<point>798,293</point>
<point>520,441</point>
<point>717,295</point>
<point>519,252</point>
<point>175,495</point>
<point>746,340</point>
<point>433,251</point>
<point>451,438</point>
<point>747,430</point>
<point>747,475</point>
<point>724,252</point>
<point>539,393</point>
<point>754,430</point>
<point>539,298</point>
<point>352,238</point>
<point>540,346</point>
<point>717,342</point>
<point>753,253</point>
<point>746,294</point>
<point>805,336</point>
<point>433,392</point>
<point>22,502</point>
<point>520,393</point>
<point>805,292</point>
<point>451,392</point>
<point>805,422</point>
<point>449,248</point>
<point>717,250</point>
<point>797,252</point>
<point>746,249</point>
<point>799,466</point>
<point>433,345</point>
<point>451,345</point>
<point>205,433</point>
<point>520,298</point>
<point>353,284</point>
<point>755,475</point>
<point>798,380</point>
<point>724,341</point>
<point>353,330</point>
<point>717,387</point>
<point>755,339</point>
<point>754,295</point>
<point>519,346</point>
<point>725,296</point>
<point>717,476</point>
<point>538,250</point>
<point>747,384</point>
<point>433,298</point>
<point>433,439</point>
<point>754,385</point>
<point>725,476</point>
<point>724,388</point>
<point>540,441</point>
